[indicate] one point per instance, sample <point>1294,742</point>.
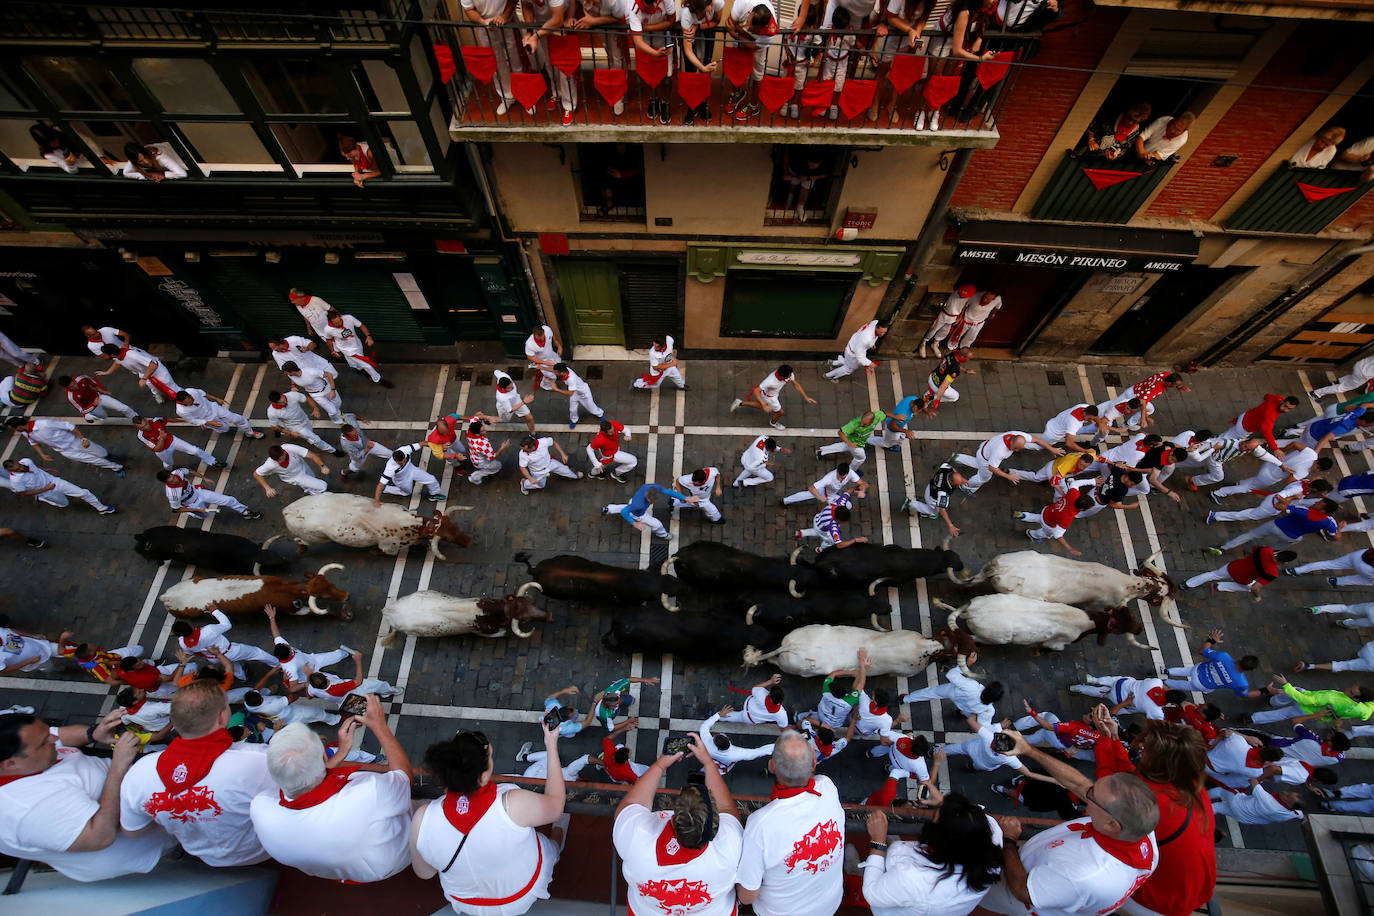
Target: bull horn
<point>329,567</point>
<point>792,557</point>
<point>942,606</point>
<point>793,590</point>
<point>667,567</point>
<point>669,602</point>
<point>268,543</point>
<point>1130,638</point>
<point>314,607</point>
<point>1170,615</point>
<point>1152,562</point>
<point>434,548</point>
<point>301,546</point>
<point>955,577</point>
<point>452,509</point>
<point>516,631</point>
<point>873,618</point>
<point>873,588</point>
<point>749,615</point>
<point>257,569</point>
<point>520,592</point>
<point>944,545</point>
<point>962,661</point>
<point>390,639</point>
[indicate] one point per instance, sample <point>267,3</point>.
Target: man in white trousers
<point>27,479</point>
<point>854,437</point>
<point>577,392</point>
<point>544,351</point>
<point>970,323</point>
<point>604,452</point>
<point>319,385</point>
<point>205,641</point>
<point>302,351</point>
<point>1298,492</point>
<point>402,475</point>
<point>93,400</point>
<point>284,711</point>
<point>1298,460</point>
<point>841,479</point>
<point>286,413</point>
<point>1360,374</point>
<point>199,408</point>
<point>1214,453</point>
<point>704,483</point>
<point>153,433</point>
<point>16,355</point>
<point>991,453</point>
<point>950,310</point>
<point>855,355</point>
<point>348,337</point>
<point>1358,563</point>
<point>186,497</point>
<point>63,438</point>
<point>536,463</point>
<point>292,464</point>
<point>354,443</point>
<point>725,753</point>
<point>1361,615</point>
<point>756,462</point>
<point>509,403</point>
<point>663,364</point>
<point>149,370</point>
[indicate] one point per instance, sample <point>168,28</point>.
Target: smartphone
<point>1002,743</point>
<point>923,793</point>
<point>679,744</point>
<point>553,718</point>
<point>355,704</point>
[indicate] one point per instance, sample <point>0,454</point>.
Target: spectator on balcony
<point>899,32</point>
<point>753,25</point>
<point>360,154</point>
<point>1358,156</point>
<point>548,17</point>
<point>835,57</point>
<point>802,44</point>
<point>1026,15</point>
<point>1318,152</point>
<point>801,168</point>
<point>150,163</point>
<point>504,41</point>
<point>54,147</point>
<point>649,22</point>
<point>1109,138</point>
<point>695,17</point>
<point>1165,136</point>
<point>614,13</point>
<point>962,26</point>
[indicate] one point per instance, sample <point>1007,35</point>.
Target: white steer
<point>353,521</point>
<point>433,614</point>
<point>1002,620</point>
<point>1061,580</point>
<point>817,650</point>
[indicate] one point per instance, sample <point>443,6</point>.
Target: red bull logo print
<point>678,897</point>
<point>815,851</point>
<point>195,804</point>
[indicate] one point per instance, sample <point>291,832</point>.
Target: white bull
<point>818,649</point>
<point>353,521</point>
<point>432,614</point>
<point>1074,582</point>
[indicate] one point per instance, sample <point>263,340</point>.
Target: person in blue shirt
<point>1217,671</point>
<point>639,511</point>
<point>1353,485</point>
<point>896,428</point>
<point>1290,527</point>
<point>1321,432</point>
<point>569,726</point>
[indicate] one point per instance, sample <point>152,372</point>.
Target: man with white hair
<point>1085,866</point>
<point>793,846</point>
<point>368,811</point>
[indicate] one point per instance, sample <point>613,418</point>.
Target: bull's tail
<point>524,557</point>
<point>390,638</point>
<point>1169,611</point>
<point>753,656</point>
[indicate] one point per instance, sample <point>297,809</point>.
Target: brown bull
<point>242,595</point>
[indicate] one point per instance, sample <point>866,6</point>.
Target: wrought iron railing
<point>816,79</point>
<point>1299,201</point>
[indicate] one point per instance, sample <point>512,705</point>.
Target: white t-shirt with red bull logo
<point>665,878</point>
<point>794,851</point>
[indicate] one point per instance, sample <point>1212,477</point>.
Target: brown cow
<point>241,595</point>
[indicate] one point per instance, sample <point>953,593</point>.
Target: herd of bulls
<point>796,613</point>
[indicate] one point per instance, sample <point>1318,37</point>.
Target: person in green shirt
<point>1300,705</point>
<point>615,700</point>
<point>854,435</point>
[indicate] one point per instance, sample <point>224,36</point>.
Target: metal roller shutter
<point>649,302</point>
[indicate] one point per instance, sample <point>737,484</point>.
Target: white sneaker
<point>793,111</point>
<point>776,425</point>
<point>502,108</point>
<point>619,107</point>
<point>935,120</point>
<point>920,121</point>
<point>923,349</point>
<point>735,405</point>
<point>935,345</point>
<point>835,113</point>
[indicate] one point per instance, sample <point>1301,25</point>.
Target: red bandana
<point>193,640</point>
<point>187,760</point>
<point>769,705</point>
<point>875,710</point>
<point>1156,694</point>
<point>1253,759</point>
<point>130,710</point>
<point>825,750</point>
<point>464,811</point>
<point>332,785</point>
<point>790,791</point>
<point>1135,853</point>
<point>672,852</point>
<point>285,459</point>
<point>904,747</point>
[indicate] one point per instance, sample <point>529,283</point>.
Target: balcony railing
<point>1095,190</point>
<point>1299,201</point>
<point>598,78</point>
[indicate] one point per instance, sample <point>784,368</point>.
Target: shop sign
<point>859,219</point>
<point>1069,259</point>
<point>799,258</point>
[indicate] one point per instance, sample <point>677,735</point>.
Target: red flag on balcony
<point>1105,178</point>
<point>443,54</point>
<point>739,63</point>
<point>856,96</point>
<point>611,84</point>
<point>565,53</point>
<point>694,88</point>
<point>651,69</point>
<point>939,90</point>
<point>817,96</point>
<point>906,70</point>
<point>1314,193</point>
<point>527,88</point>
<point>773,91</point>
<point>990,72</point>
<point>481,62</point>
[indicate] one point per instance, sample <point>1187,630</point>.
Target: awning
<point>1074,247</point>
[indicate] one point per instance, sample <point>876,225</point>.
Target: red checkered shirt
<point>479,448</point>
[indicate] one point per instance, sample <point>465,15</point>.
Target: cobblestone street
<point>91,581</point>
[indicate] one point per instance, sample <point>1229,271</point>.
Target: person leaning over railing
<point>962,25</point>
<point>504,42</point>
<point>753,24</point>
<point>548,17</point>
<point>899,32</point>
<point>695,17</point>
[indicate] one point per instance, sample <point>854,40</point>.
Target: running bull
<point>227,553</point>
<point>353,521</point>
<point>433,614</point>
<point>718,567</point>
<point>783,613</point>
<point>698,637</point>
<point>571,578</point>
<point>817,650</point>
<point>875,564</point>
<point>245,595</point>
<point>1059,579</point>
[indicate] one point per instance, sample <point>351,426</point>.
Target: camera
<point>553,718</point>
<point>679,744</point>
<point>1002,743</point>
<point>355,704</point>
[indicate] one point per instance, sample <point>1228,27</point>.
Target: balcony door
<point>1162,307</point>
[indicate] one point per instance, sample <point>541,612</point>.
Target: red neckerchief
<point>130,710</point>
<point>332,785</point>
<point>1253,759</point>
<point>193,640</point>
<point>285,459</point>
<point>771,28</point>
<point>904,747</point>
<point>1077,413</point>
<point>1007,439</point>
<point>1156,694</point>
<point>875,710</point>
<point>670,850</point>
<point>1121,133</point>
<point>1135,853</point>
<point>790,791</point>
<point>1329,751</point>
<point>352,438</point>
<point>342,688</point>
<point>769,705</point>
<point>123,351</point>
<point>464,811</point>
<point>187,760</point>
<point>825,750</point>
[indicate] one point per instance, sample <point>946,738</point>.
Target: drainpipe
<point>479,172</point>
<point>933,229</point>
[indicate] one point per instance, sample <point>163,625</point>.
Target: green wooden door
<point>591,297</point>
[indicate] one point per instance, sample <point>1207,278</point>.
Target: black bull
<point>716,567</point>
<point>874,564</point>
<point>226,553</point>
<point>697,637</point>
<point>571,578</point>
<point>783,613</point>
